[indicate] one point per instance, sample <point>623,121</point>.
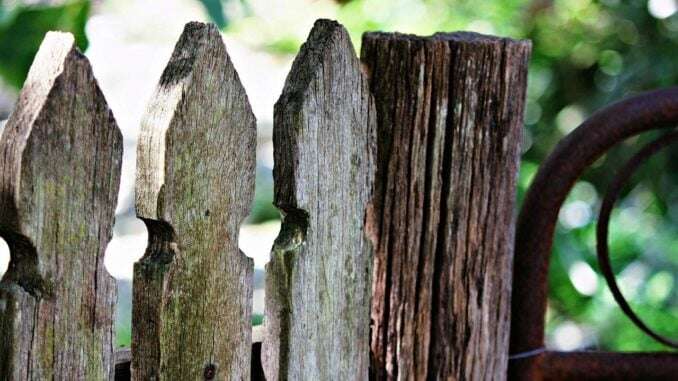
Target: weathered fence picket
<point>318,280</point>
<point>449,110</point>
<point>60,158</point>
<point>195,183</point>
<point>409,166</point>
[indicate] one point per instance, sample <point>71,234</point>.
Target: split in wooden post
<point>195,182</point>
<point>318,280</point>
<point>449,110</point>
<point>60,158</point>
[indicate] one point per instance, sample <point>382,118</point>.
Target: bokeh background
<point>586,54</point>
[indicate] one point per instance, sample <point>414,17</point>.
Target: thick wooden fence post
<point>318,280</point>
<point>449,110</point>
<point>60,158</point>
<point>195,182</point>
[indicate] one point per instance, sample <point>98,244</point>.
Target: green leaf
<point>215,10</point>
<point>23,28</point>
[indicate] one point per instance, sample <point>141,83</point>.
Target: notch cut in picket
<point>60,158</point>
<point>195,183</point>
<point>318,279</point>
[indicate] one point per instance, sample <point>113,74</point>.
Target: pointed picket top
<point>195,183</point>
<point>60,158</point>
<point>318,279</point>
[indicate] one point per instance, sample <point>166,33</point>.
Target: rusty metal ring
<point>539,214</point>
<point>611,196</point>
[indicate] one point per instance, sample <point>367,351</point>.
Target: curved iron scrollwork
<point>534,239</point>
<point>609,200</point>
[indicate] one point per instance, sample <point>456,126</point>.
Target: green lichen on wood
<point>195,182</point>
<point>286,247</point>
<point>318,279</point>
<point>59,180</point>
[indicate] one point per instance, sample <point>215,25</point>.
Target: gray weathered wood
<point>195,182</point>
<point>449,110</point>
<point>318,280</point>
<point>60,158</point>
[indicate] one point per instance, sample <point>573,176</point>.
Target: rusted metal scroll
<point>528,359</point>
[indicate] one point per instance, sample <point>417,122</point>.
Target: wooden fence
<point>394,174</point>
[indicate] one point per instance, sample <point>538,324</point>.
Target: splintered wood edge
<point>460,36</point>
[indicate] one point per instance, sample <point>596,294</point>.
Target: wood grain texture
<point>60,158</point>
<point>195,182</point>
<point>318,280</point>
<point>449,110</point>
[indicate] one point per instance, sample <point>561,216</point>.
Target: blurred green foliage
<point>262,206</point>
<point>22,28</point>
<point>219,10</point>
<point>215,10</point>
